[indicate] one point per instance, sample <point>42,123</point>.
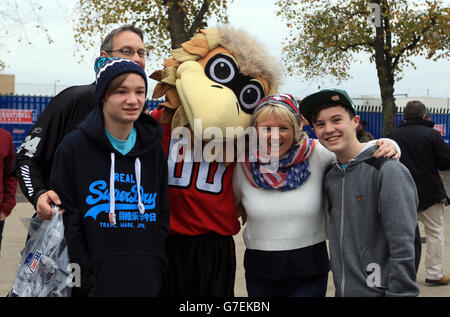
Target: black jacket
<point>35,156</point>
<point>127,259</point>
<point>424,153</point>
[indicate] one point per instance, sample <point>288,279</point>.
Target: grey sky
<point>50,63</point>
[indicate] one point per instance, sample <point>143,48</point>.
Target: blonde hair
<point>281,113</point>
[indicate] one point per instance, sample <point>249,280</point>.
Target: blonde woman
<point>285,235</point>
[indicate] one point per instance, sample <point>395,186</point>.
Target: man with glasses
<point>126,42</point>
<point>64,112</point>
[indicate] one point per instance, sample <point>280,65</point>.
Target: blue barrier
<point>153,104</point>
<point>375,121</point>
<point>19,113</point>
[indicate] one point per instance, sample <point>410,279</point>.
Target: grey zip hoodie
<point>373,217</point>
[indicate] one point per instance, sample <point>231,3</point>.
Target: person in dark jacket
<point>363,135</point>
<point>64,112</point>
<point>424,153</point>
<point>8,181</point>
<point>111,176</point>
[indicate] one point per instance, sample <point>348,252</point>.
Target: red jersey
<point>200,193</point>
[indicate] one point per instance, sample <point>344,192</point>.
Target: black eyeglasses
<point>130,52</point>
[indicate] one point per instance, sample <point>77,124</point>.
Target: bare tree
<point>15,18</point>
<point>325,36</point>
<point>166,23</point>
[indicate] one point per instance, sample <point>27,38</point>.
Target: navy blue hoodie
<point>126,259</point>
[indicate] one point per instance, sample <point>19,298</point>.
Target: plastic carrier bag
<point>43,268</point>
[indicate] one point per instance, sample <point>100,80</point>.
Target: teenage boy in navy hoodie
<point>111,175</point>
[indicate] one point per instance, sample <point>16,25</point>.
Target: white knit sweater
<point>285,220</point>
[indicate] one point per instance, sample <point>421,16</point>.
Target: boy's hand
<point>43,205</point>
<point>386,148</point>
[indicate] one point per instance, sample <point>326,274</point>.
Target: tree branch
<point>413,44</point>
<point>199,18</point>
<point>350,46</point>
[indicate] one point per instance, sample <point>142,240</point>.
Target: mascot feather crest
<point>218,76</point>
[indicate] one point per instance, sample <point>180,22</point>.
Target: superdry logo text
<point>126,202</point>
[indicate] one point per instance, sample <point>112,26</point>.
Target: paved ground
<point>425,290</point>
<point>14,236</point>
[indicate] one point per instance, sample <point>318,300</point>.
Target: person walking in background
<point>8,181</point>
<point>362,134</point>
<point>371,204</point>
<point>424,153</point>
<point>61,116</point>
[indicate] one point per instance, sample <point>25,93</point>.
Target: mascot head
<point>218,76</point>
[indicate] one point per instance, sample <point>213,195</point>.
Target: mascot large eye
<point>250,96</point>
<point>222,70</point>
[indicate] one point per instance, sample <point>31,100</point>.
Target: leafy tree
<point>166,23</point>
<point>14,16</point>
<point>325,35</point>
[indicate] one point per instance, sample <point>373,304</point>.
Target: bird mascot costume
<point>211,85</point>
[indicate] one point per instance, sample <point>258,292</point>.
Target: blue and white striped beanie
<point>108,68</point>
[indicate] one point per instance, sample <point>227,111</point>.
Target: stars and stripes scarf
<point>293,168</point>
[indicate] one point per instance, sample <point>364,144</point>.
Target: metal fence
<point>19,113</point>
<point>374,117</point>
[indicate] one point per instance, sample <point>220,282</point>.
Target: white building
<point>430,102</point>
<point>34,89</point>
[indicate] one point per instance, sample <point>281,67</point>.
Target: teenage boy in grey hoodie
<point>372,205</point>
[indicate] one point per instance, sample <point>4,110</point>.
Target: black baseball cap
<point>325,96</point>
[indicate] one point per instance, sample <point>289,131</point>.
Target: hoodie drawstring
<point>137,171</point>
<point>112,202</point>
